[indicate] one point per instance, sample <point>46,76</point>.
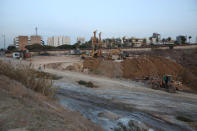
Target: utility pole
<point>36,31</point>
<point>4,40</point>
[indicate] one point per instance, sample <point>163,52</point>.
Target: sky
<point>114,18</point>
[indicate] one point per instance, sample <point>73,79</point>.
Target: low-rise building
<point>148,42</point>
<point>181,39</point>
<point>137,42</point>
<point>157,36</point>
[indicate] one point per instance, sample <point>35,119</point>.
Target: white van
<point>16,55</point>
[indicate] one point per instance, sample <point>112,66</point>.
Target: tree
<point>35,47</point>
<point>11,48</point>
<point>183,39</point>
<point>68,47</point>
<point>169,39</point>
<point>189,38</point>
<point>163,41</point>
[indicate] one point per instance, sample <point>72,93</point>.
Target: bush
<point>183,118</point>
<point>87,84</point>
<point>28,78</point>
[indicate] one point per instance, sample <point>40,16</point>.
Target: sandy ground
<point>137,96</point>
<point>54,59</point>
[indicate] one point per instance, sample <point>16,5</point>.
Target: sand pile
<point>103,67</point>
<point>151,66</point>
<point>66,66</point>
<point>134,68</point>
<point>142,67</point>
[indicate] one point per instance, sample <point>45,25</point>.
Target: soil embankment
<point>23,109</point>
<point>141,67</point>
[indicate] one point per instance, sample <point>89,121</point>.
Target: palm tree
<point>189,38</point>
<point>163,41</point>
<point>169,39</point>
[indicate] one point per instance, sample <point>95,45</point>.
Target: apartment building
<point>81,39</point>
<point>22,42</point>
<point>58,40</point>
<point>35,40</point>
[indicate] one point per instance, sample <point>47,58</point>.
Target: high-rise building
<point>35,40</point>
<point>58,41</point>
<point>22,42</point>
<point>81,39</point>
<point>50,41</point>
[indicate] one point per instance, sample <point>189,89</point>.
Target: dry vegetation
<point>30,78</point>
<point>22,109</point>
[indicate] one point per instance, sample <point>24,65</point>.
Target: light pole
<point>4,40</point>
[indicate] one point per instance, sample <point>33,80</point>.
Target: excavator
<point>166,83</point>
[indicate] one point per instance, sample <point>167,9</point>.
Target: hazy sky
<point>116,18</point>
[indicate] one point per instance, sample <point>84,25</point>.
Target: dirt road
<point>126,96</point>
<point>118,103</point>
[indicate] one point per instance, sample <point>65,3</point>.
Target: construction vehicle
<point>114,54</point>
<point>84,55</point>
<point>166,83</point>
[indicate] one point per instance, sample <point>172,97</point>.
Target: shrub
<point>87,84</point>
<point>28,78</point>
<point>183,118</point>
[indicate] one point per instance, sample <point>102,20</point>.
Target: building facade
<point>50,41</point>
<point>157,36</point>
<point>35,40</point>
<point>58,41</point>
<point>81,39</point>
<point>22,42</point>
<point>137,42</point>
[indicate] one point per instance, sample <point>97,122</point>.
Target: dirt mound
<point>142,67</point>
<point>151,66</point>
<point>103,67</point>
<point>65,66</point>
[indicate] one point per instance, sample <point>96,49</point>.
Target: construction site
<point>121,89</point>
